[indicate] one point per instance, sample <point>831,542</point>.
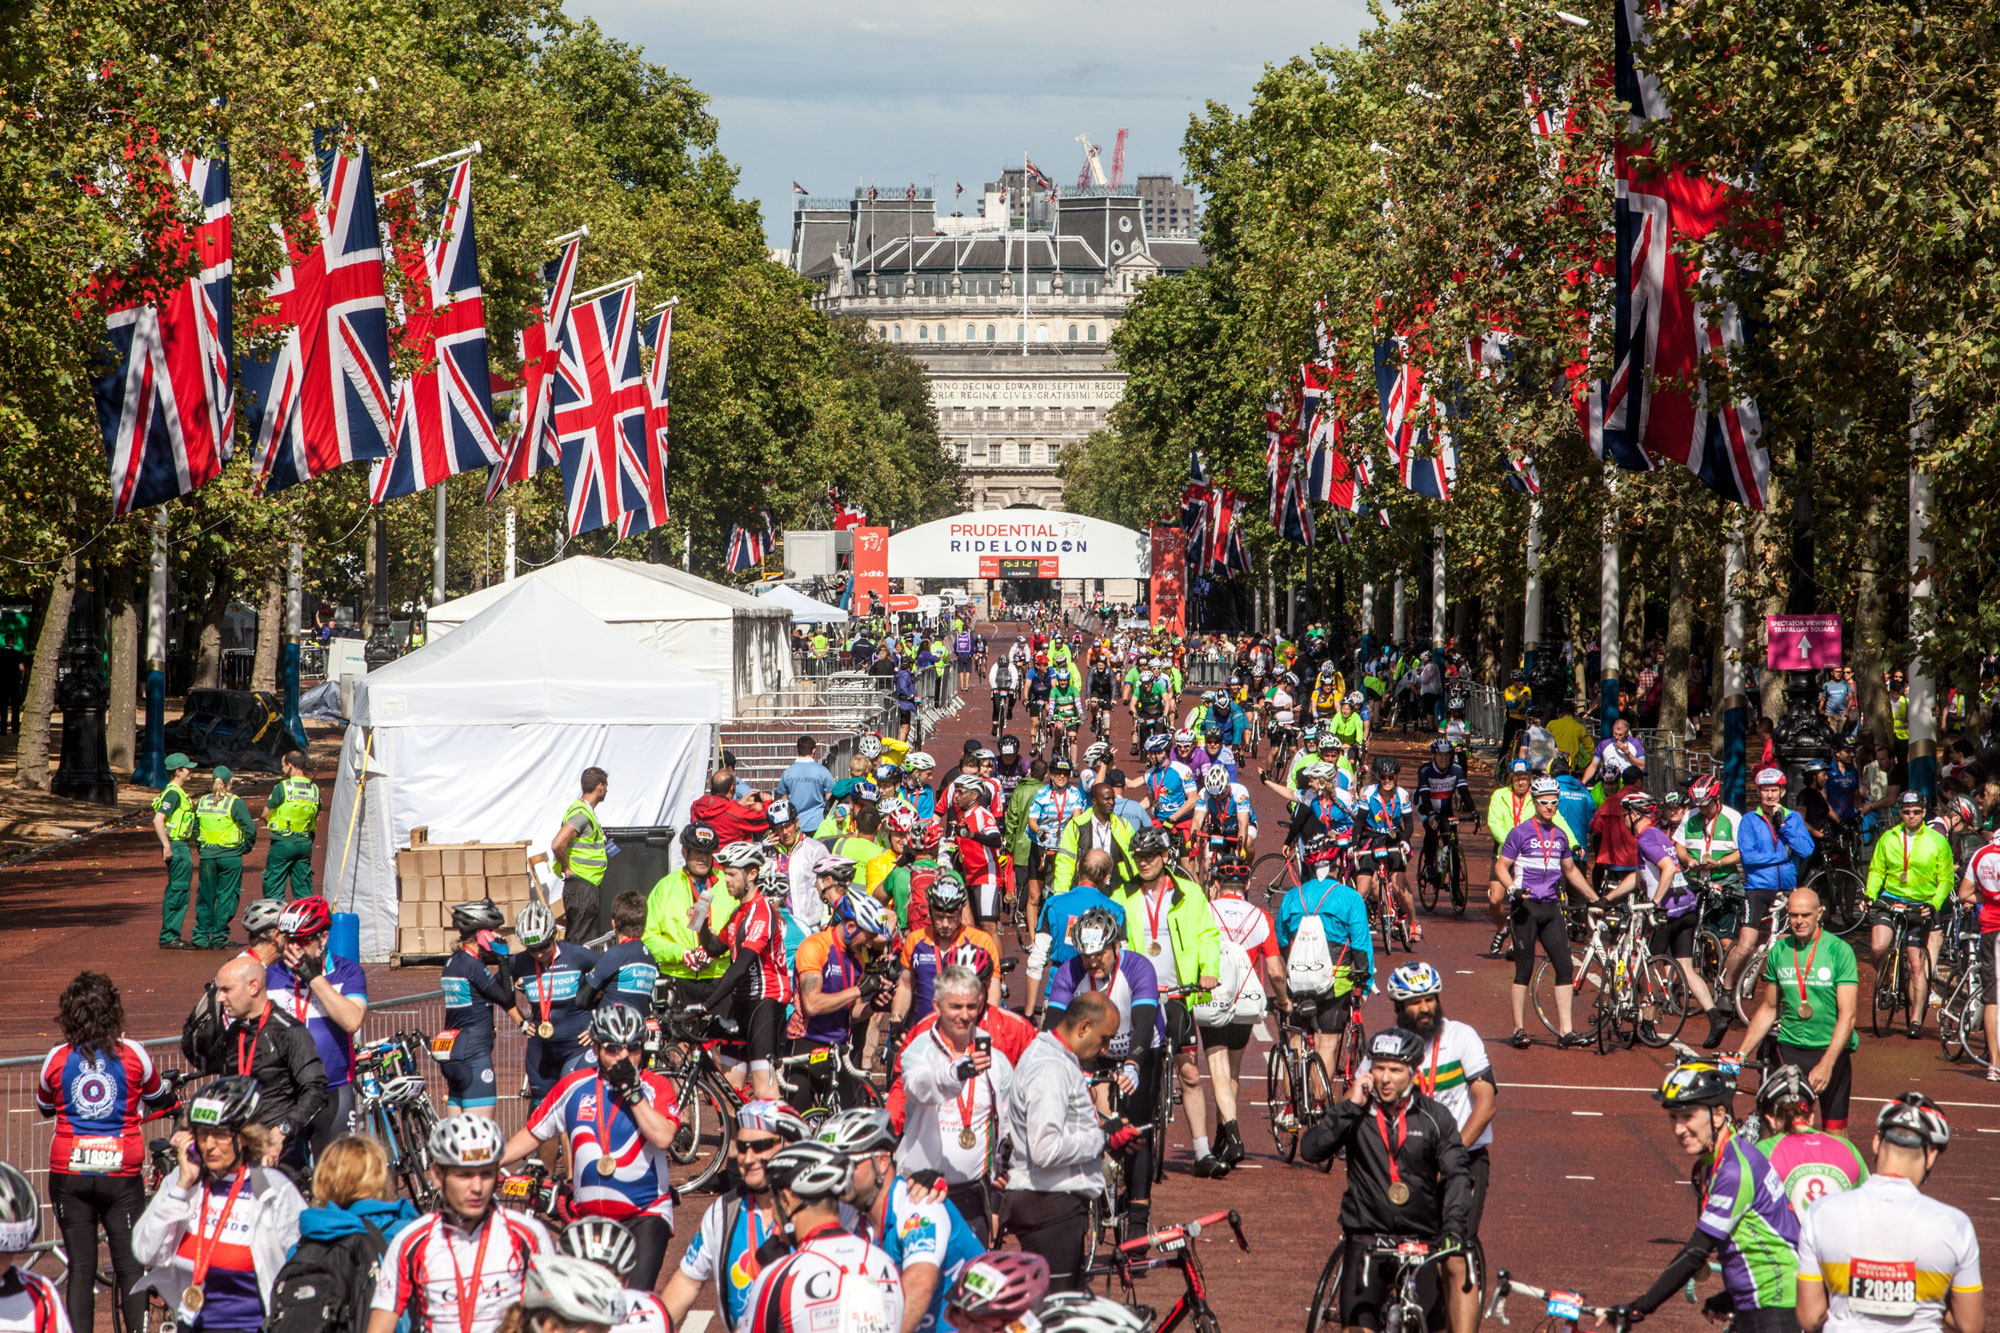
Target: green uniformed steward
<point>173,824</point>
<point>224,833</point>
<point>291,814</point>
<point>581,854</point>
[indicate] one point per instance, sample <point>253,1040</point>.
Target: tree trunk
<point>32,758</point>
<point>1774,559</point>
<point>1511,628</point>
<point>1632,624</point>
<point>270,631</point>
<point>1492,636</point>
<point>1871,623</point>
<point>121,721</point>
<point>1680,633</point>
<point>208,655</point>
<point>1461,626</point>
<point>1582,668</point>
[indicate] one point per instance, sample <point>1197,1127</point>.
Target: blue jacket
<point>1573,803</point>
<point>807,785</point>
<point>1767,860</point>
<point>332,1221</point>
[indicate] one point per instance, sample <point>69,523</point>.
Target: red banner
<point>871,571</point>
<point>1169,580</point>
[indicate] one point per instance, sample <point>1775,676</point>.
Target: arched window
<point>972,333</point>
<point>1072,333</point>
<point>1041,333</point>
<point>940,333</point>
<point>896,334</point>
<point>885,330</point>
<point>1090,334</point>
<point>1020,333</point>
<point>989,333</point>
<point>923,333</point>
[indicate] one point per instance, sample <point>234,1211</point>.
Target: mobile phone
<point>983,1043</point>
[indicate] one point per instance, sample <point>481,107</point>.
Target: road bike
<point>1564,1309</point>
<point>679,1051</point>
<point>823,1080</point>
<point>1442,872</point>
<point>393,1106</point>
<point>1111,1207</point>
<point>1838,878</point>
<point>1297,1089</point>
<point>1642,996</point>
<point>1405,1312</point>
<point>1274,874</point>
<point>1096,713</point>
<point>1961,1018</point>
<point>1894,986</point>
<point>1169,1247</point>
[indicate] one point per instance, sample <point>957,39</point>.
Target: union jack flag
<point>1406,404</point>
<point>444,414</point>
<point>1329,476</point>
<point>323,398</point>
<point>1194,510</point>
<point>1661,329</point>
<point>601,402</point>
<point>846,516</point>
<point>167,406</point>
<point>746,548</point>
<point>533,446</point>
<point>1222,548</point>
<point>659,335</point>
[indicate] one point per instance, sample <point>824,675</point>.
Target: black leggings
<point>1536,920</point>
<point>81,1203</point>
<point>651,1234</point>
<point>1053,1226</point>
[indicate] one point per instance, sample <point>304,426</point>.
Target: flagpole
<point>1396,625</point>
<point>1367,622</point>
<point>1608,609</point>
<point>510,543</point>
<point>1921,716</point>
<point>1531,609</point>
<point>1437,588</point>
<point>151,770</point>
<point>473,149</point>
<point>294,618</point>
<point>381,648</point>
<point>1735,690</point>
<point>1027,211</point>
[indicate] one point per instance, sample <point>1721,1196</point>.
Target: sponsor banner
<point>1169,579</point>
<point>871,570</point>
<point>1019,567</point>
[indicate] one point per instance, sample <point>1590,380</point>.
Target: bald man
<point>1809,994</point>
<point>259,1039</point>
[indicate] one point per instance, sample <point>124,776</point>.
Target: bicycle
<point>1111,1207</point>
<point>1405,1314</point>
<point>1841,888</point>
<point>1564,1308</point>
<point>1640,990</point>
<point>1443,868</point>
<point>679,1050</point>
<point>1297,1089</point>
<point>1587,969</point>
<point>1893,983</point>
<point>393,1105</point>
<point>1961,1018</point>
<point>1176,1246</point>
<point>833,1080</point>
<point>535,1190</point>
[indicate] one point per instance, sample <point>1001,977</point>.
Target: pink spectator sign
<point>1801,643</point>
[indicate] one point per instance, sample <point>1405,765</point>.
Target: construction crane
<point>1117,163</point>
<point>1093,168</point>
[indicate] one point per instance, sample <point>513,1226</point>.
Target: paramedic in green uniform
<point>224,832</point>
<point>173,824</point>
<point>290,814</point>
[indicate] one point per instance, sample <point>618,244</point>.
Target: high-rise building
<point>1168,206</point>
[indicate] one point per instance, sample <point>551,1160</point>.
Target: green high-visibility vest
<point>298,807</point>
<point>180,823</point>
<point>588,857</point>
<point>218,822</point>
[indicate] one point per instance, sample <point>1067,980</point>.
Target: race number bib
<point>1885,1287</point>
<point>96,1157</point>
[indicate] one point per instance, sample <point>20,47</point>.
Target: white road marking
<point>1588,1178</point>
<point>696,1321</point>
<point>1595,1113</point>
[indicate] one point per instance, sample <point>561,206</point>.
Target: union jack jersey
<point>421,1272</point>
<point>755,929</point>
<point>95,1103</point>
<point>980,863</point>
<point>600,1127</point>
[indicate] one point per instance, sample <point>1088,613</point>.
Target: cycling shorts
<point>1833,1099</point>
<point>1324,1014</point>
<point>1183,1034</point>
<point>1880,915</point>
<point>1367,1280</point>
<point>1673,936</point>
<point>470,1083</point>
<point>1387,849</point>
<point>760,1023</point>
<point>1989,955</point>
<point>1229,1037</point>
<point>1041,863</point>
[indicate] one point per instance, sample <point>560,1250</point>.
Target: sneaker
<point>1416,933</point>
<point>1993,1073</point>
<point>1916,1032</point>
<point>1572,1040</point>
<point>1211,1167</point>
<point>175,943</point>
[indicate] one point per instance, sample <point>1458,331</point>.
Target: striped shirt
<point>1450,1065</point>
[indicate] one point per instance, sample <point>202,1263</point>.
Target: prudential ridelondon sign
<point>969,546</point>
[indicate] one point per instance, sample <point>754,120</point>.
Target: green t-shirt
<point>1828,963</point>
<point>899,883</point>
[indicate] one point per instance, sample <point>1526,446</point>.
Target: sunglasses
<point>759,1147</point>
<point>617,1048</point>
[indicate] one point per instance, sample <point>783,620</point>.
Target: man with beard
<point>1456,1072</point>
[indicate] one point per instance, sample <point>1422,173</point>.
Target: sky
<point>835,95</point>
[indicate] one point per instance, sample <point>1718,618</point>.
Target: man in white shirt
<point>955,1089</point>
<point>798,857</point>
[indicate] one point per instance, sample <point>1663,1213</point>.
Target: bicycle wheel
<point>1585,985</point>
<point>1205,1320</point>
<point>1456,864</point>
<point>1163,1119</point>
<point>1888,995</point>
<point>1840,892</point>
<point>701,1146</point>
<point>1708,957</point>
<point>1663,1002</point>
<point>1954,1016</point>
<point>1280,1106</point>
<point>1271,875</point>
<point>1324,1312</point>
<point>1428,879</point>
<point>1614,1017</point>
<point>413,1161</point>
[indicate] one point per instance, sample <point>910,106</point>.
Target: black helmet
<point>228,1103</point>
<point>1697,1083</point>
<point>1388,766</point>
<point>1149,842</point>
<point>482,915</point>
<point>1010,744</point>
<point>947,893</point>
<point>810,1170</point>
<point>1400,1045</point>
<point>700,837</point>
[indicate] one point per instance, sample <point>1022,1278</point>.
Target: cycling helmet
<point>467,1140</point>
<point>1184,737</point>
<point>740,855</point>
<point>771,880</point>
<point>1145,678</point>
<point>1544,787</point>
<point>1061,764</point>
<point>1000,1284</point>
<point>1287,678</point>
<point>1784,1086</point>
<point>985,756</point>
<point>601,1241</point>
<point>228,1103</point>
<point>1097,929</point>
<point>1326,671</point>
<point>1009,744</point>
<point>1062,675</point>
<point>948,893</point>
<point>838,867</point>
<point>1399,1045</point>
<point>482,915</point>
<point>888,774</point>
<point>1041,659</point>
<point>1321,771</point>
<point>1638,803</point>
<point>700,837</point>
<point>1908,798</point>
<point>1559,767</point>
<point>868,746</point>
<point>1388,766</point>
<point>261,916</point>
<point>1098,753</point>
<point>919,762</point>
<point>1770,777</point>
<point>1914,1121</point>
<point>1080,1312</point>
<point>1211,730</point>
<point>1962,807</point>
<point>1697,1083</point>
<point>865,791</point>
<point>1674,802</point>
<point>773,1117</point>
<point>306,919</point>
<point>1320,848</point>
<point>929,836</point>
<point>1812,766</point>
<point>810,1170</point>
<point>21,1211</point>
<point>1440,746</point>
<point>536,925</point>
<point>858,1131</point>
<point>1413,981</point>
<point>1215,779</point>
<point>899,816</point>
<point>617,1025</point>
<point>868,915</point>
<point>1457,705</point>
<point>575,1290</point>
<point>1149,842</point>
<point>1355,698</point>
<point>1326,736</point>
<point>780,813</point>
<point>1703,790</point>
<point>1157,743</point>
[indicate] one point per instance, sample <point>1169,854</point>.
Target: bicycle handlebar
<point>1190,1231</point>
<point>1503,1283</point>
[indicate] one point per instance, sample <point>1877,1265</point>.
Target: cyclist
<point>1328,694</point>
<point>260,930</point>
<point>1532,864</point>
<point>609,1245</point>
<point>1100,692</point>
<point>1383,812</point>
<point>979,842</point>
<point>221,1223</point>
<point>464,1045</point>
<point>1169,786</point>
<point>1515,700</point>
<point>626,971</point>
<point>1054,806</point>
<point>1808,996</point>
<point>1328,950</point>
<point>1812,1164</point>
<point>1746,1219</point>
<point>1659,872</point>
<point>832,1279</point>
<point>1251,971</point>
<point>1003,678</point>
<point>1103,965</point>
<point>997,1291</point>
<point>1441,784</point>
<point>842,974</point>
<point>28,1301</point>
<point>757,987</point>
<point>1771,841</point>
<point>1039,683</point>
<point>1886,1255</point>
<point>1151,694</point>
<point>1508,808</point>
<point>945,941</point>
<point>1319,810</point>
<point>1980,888</point>
<point>549,983</point>
<point>930,1242</point>
<point>1910,871</point>
<point>1408,1174</point>
<point>1010,769</point>
<point>1224,826</point>
<point>686,908</point>
<point>561,1294</point>
<point>1065,713</point>
<point>724,1254</point>
<point>329,994</point>
<point>1281,712</point>
<point>1350,724</point>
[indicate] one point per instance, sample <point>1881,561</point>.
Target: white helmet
<point>741,855</point>
<point>1544,787</point>
<point>1321,771</point>
<point>862,908</point>
<point>869,746</point>
<point>1215,779</point>
<point>919,762</point>
<point>467,1140</point>
<point>576,1290</point>
<point>536,925</point>
<point>1184,737</point>
<point>20,1210</point>
<point>602,1241</point>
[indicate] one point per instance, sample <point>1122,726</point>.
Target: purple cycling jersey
<point>1676,899</point>
<point>1538,852</point>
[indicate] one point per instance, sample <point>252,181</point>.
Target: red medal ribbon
<point>1154,908</point>
<point>543,1000</point>
<point>1429,1082</point>
<point>204,1244</point>
<point>970,1096</point>
<point>243,1057</point>
<point>1402,1134</point>
<point>603,1126</point>
<point>1797,975</point>
<point>468,1295</point>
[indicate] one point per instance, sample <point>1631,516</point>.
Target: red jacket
<point>732,820</point>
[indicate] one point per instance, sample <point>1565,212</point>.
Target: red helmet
<point>928,836</point>
<point>306,919</point>
<point>1041,659</point>
<point>1704,789</point>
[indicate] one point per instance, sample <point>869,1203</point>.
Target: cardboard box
<point>420,835</point>
<point>430,863</point>
<point>423,891</point>
<point>420,914</point>
<point>407,866</point>
<point>463,890</point>
<point>512,860</point>
<point>426,941</point>
<point>508,889</point>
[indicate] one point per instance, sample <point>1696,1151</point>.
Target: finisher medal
<point>1154,948</point>
<point>1805,1010</point>
<point>1399,1193</point>
<point>967,1139</point>
<point>545,1030</point>
<point>191,1300</point>
<point>606,1167</point>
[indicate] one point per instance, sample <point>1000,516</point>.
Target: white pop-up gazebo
<point>743,643</point>
<point>481,736</point>
<point>805,610</point>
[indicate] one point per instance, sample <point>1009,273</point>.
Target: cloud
<point>835,95</point>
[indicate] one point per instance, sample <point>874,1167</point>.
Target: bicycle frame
<point>1130,1261</point>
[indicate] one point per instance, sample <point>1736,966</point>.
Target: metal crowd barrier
<point>1485,714</point>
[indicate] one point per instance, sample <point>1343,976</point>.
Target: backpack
<point>1238,996</point>
<point>202,1030</point>
<point>1309,967</point>
<point>327,1285</point>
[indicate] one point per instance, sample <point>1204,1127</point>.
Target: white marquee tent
<point>481,735</point>
<point>741,642</point>
<point>806,610</point>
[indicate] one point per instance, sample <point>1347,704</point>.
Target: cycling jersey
<point>1202,760</point>
<point>1745,1208</point>
<point>1911,868</point>
<point>1351,729</point>
<point>1169,784</point>
<point>1058,910</point>
<point>470,992</point>
<point>1677,899</point>
<point>1040,682</point>
<point>431,1265</point>
<point>923,957</point>
<point>1890,1257</point>
<point>641,1312</point>
<point>1283,707</point>
<point>96,1104</point>
<point>559,983</point>
<point>1709,841</point>
<point>1066,706</point>
<point>626,973</point>
<point>1813,1165</point>
<point>1383,815</point>
<point>1436,786</point>
<point>728,1264</point>
<point>1227,815</point>
<point>1054,807</point>
<point>601,1128</point>
<point>1151,700</point>
<point>31,1303</point>
<point>1134,985</point>
<point>834,1282</point>
<point>334,1042</point>
<point>755,929</point>
<point>1452,1062</point>
<point>980,862</point>
<point>913,1233</point>
<point>1984,872</point>
<point>1325,702</point>
<point>823,954</point>
<point>1102,684</point>
<point>1539,851</point>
